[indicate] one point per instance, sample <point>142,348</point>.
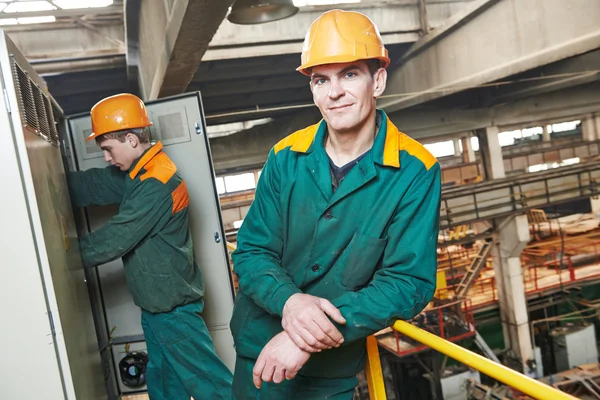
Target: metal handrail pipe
<point>512,378</point>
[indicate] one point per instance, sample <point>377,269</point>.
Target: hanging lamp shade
<point>247,12</point>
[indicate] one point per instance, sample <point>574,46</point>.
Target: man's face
<point>119,154</point>
<point>346,93</point>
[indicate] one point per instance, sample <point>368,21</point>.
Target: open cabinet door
<point>178,122</point>
<point>47,341</point>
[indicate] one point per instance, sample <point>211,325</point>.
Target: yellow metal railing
<point>525,384</point>
<point>374,373</point>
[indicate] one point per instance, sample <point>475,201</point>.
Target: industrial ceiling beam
<point>398,21</point>
<point>491,41</point>
<point>78,12</point>
<point>172,45</point>
<point>59,43</point>
<point>132,42</point>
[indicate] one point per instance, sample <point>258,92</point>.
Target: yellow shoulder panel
<point>299,141</point>
<point>417,150</point>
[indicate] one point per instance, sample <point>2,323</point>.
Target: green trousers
<point>183,362</point>
<point>299,388</point>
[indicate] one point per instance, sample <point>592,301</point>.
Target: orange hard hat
<point>342,36</point>
<point>117,113</point>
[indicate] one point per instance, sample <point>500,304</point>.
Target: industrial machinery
<point>574,345</point>
<point>70,332</point>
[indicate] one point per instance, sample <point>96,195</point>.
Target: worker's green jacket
<point>369,247</point>
<point>150,231</point>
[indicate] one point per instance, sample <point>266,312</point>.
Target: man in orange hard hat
<point>341,238</point>
<point>151,234</point>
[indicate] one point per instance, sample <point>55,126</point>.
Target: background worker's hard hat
<point>342,36</point>
<point>116,113</point>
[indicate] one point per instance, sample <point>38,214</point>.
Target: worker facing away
<point>340,240</point>
<point>151,234</point>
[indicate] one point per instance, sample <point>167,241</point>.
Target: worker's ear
<point>379,82</point>
<point>132,140</point>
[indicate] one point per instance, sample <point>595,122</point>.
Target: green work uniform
<point>369,246</point>
<point>151,234</point>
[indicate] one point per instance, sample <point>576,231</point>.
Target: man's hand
<point>304,318</point>
<point>280,359</point>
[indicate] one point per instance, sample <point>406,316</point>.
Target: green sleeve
<point>406,282</point>
<point>257,260</point>
<point>96,186</point>
<point>146,211</point>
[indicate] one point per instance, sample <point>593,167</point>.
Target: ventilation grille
<point>40,108</point>
<point>51,120</point>
<point>35,107</point>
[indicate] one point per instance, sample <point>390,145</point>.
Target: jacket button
<point>315,268</point>
<point>328,215</point>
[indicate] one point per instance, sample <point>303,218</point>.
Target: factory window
<point>30,6</point>
<point>474,144</point>
<point>536,130</point>
<point>237,224</point>
<point>302,3</point>
<point>8,7</point>
<point>546,166</point>
<point>66,4</point>
<point>237,183</point>
<point>441,149</point>
<point>220,183</point>
<point>563,126</point>
<point>508,138</point>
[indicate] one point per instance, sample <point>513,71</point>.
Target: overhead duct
<point>248,12</point>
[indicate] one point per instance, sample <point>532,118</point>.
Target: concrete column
<point>590,128</point>
<point>511,238</point>
<point>468,154</point>
<point>172,41</point>
<point>457,151</point>
<point>546,133</point>
<point>489,146</point>
<point>595,203</point>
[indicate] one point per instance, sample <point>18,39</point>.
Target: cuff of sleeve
<point>86,253</point>
<point>281,296</point>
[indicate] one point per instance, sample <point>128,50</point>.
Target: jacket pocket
<point>156,291</point>
<point>358,263</point>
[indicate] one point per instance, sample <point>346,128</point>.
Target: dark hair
<point>142,134</point>
<point>373,65</point>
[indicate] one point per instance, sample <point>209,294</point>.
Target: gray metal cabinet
<point>65,328</point>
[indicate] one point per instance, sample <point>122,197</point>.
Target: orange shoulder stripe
<point>417,150</point>
<point>299,141</point>
<point>180,197</point>
<point>160,167</point>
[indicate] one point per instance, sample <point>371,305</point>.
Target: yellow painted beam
<point>374,372</point>
<point>510,377</point>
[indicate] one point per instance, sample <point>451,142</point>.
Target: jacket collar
<point>144,159</point>
<point>385,148</point>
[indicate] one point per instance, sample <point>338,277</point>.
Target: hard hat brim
<point>94,135</point>
<point>385,62</point>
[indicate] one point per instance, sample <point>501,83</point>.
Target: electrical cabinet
<point>70,332</point>
<point>48,340</point>
<point>178,122</point>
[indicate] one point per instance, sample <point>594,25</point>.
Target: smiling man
<point>341,238</point>
<point>151,234</point>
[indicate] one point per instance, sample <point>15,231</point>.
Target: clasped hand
<point>305,320</point>
<point>307,329</point>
